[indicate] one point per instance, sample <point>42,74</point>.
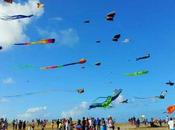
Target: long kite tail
<point>37,93</point>
<point>145,97</point>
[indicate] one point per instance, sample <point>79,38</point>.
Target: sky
<point>149,26</point>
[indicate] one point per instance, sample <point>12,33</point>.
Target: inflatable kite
<point>8,1</point>
<point>170,109</point>
<point>170,83</point>
<point>45,41</point>
<point>139,73</point>
<point>82,61</point>
<point>161,96</point>
<point>110,16</point>
<point>116,37</point>
<point>15,17</point>
<point>143,57</point>
<point>108,101</point>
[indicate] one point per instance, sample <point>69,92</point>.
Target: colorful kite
<point>139,73</point>
<point>108,101</point>
<point>15,17</point>
<point>45,41</point>
<point>82,61</point>
<point>161,96</point>
<point>143,57</point>
<point>110,16</point>
<point>8,1</point>
<point>116,37</point>
<point>170,83</point>
<point>170,109</point>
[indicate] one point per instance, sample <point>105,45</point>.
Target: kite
<point>8,1</point>
<point>87,21</point>
<point>44,41</point>
<point>82,61</point>
<point>40,5</point>
<point>139,73</point>
<point>0,47</point>
<point>15,17</point>
<point>98,63</point>
<point>98,41</point>
<point>79,91</point>
<point>116,37</point>
<point>170,83</point>
<point>161,96</point>
<point>124,101</point>
<point>144,57</point>
<point>108,101</point>
<point>170,109</point>
<point>110,16</point>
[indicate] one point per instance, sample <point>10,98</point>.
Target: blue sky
<point>148,24</point>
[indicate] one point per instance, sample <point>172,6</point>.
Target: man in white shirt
<point>171,124</point>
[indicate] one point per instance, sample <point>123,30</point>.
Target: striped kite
<point>82,61</point>
<point>44,41</point>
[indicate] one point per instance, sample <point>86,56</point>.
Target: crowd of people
<point>61,124</point>
<point>152,123</point>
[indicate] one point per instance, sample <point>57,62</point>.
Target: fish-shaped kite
<point>15,17</point>
<point>138,73</point>
<point>44,41</point>
<point>81,61</point>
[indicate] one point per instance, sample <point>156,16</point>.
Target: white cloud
<point>76,111</point>
<point>14,31</point>
<point>126,40</point>
<point>8,81</point>
<point>68,37</point>
<point>3,100</point>
<point>35,112</point>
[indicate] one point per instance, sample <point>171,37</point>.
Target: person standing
<point>171,124</point>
